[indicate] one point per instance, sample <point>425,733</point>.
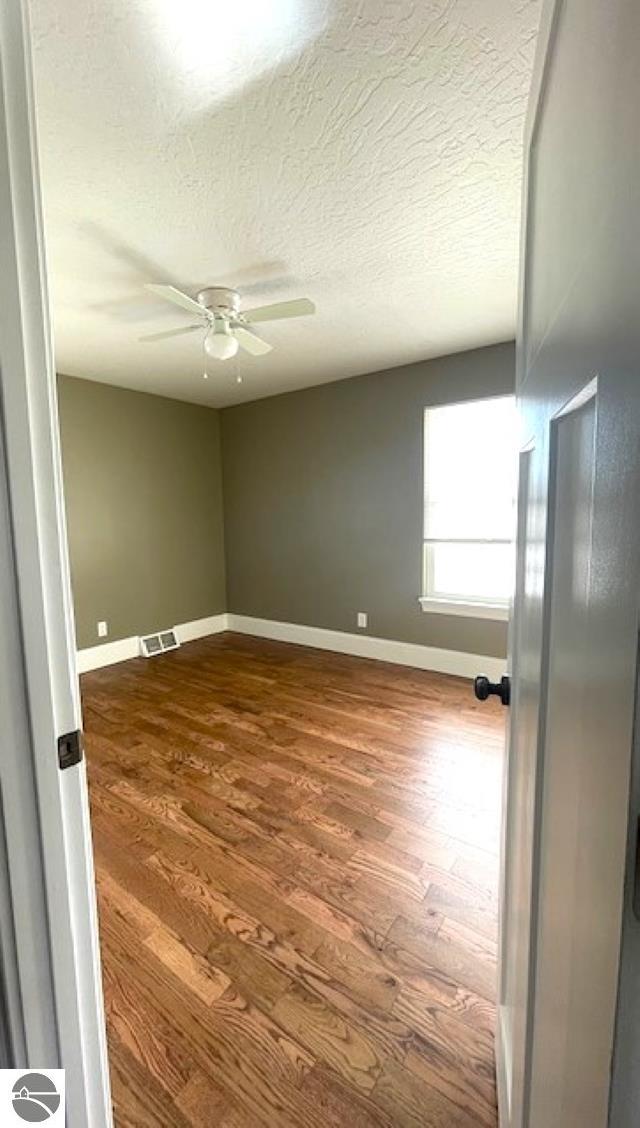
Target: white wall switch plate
<point>363,619</point>
<point>102,629</point>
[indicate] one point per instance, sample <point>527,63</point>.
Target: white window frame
<point>477,608</point>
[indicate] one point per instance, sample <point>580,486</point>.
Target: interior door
<point>568,848</point>
<point>52,994</point>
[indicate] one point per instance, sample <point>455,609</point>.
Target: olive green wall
<point>322,504</point>
<point>144,509</point>
<point>323,501</point>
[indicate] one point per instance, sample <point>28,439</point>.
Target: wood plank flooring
<point>296,857</point>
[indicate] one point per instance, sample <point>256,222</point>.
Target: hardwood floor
<point>296,857</point>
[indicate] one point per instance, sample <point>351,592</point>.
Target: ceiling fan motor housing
<point>220,300</point>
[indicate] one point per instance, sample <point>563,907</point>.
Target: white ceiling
<point>363,153</point>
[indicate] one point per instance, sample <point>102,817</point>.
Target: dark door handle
<point>484,688</point>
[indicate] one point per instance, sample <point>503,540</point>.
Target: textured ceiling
<point>363,153</point>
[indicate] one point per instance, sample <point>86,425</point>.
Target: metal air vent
<point>153,644</point>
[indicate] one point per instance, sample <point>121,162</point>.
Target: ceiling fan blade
<point>172,333</point>
<point>171,294</point>
<point>296,308</point>
<point>250,342</point>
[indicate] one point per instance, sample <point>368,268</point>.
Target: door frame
<point>506,1068</point>
<point>49,918</point>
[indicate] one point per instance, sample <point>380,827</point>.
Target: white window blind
<point>469,502</point>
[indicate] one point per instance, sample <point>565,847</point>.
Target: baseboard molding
<point>200,628</point>
<point>456,662</point>
<point>433,658</point>
<point>121,649</point>
<point>107,654</point>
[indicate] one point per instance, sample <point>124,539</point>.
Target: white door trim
<point>67,984</point>
<point>511,1074</point>
<point>547,31</point>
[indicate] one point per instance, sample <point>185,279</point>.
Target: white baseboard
<point>121,649</point>
<point>107,654</point>
<point>200,628</point>
<point>455,662</point>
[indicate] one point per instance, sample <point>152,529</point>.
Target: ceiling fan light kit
<point>226,326</point>
<point>219,343</point>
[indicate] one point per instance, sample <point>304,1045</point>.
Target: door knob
<point>484,688</point>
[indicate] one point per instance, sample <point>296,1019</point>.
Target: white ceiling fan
<point>225,325</point>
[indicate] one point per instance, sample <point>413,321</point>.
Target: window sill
<point>497,611</point>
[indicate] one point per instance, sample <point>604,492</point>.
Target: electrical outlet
<point>103,630</point>
<point>363,619</point>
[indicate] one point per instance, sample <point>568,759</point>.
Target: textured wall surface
<point>323,501</point>
<point>144,509</point>
<point>366,153</point>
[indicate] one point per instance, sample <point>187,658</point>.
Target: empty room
<point>320,455</point>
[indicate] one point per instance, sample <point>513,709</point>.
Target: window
<point>469,507</point>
